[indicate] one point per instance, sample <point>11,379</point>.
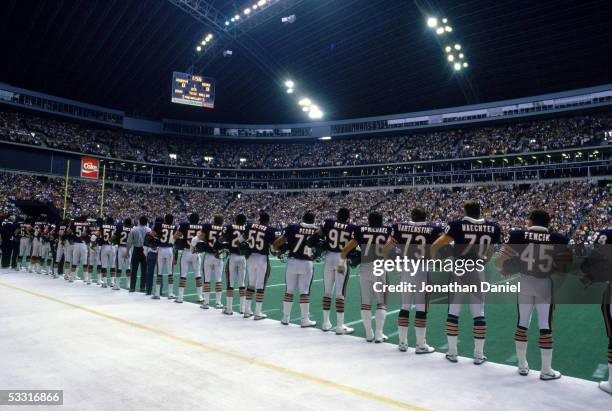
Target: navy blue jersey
<point>24,229</point>
<point>296,235</point>
<point>60,231</point>
<point>537,250</point>
<point>121,234</point>
<point>337,235</point>
<point>234,234</point>
<point>38,229</point>
<point>212,234</point>
<point>106,232</point>
<point>604,237</point>
<point>80,232</point>
<point>259,238</point>
<point>372,239</point>
<point>473,236</point>
<point>188,232</point>
<point>165,234</point>
<point>414,237</point>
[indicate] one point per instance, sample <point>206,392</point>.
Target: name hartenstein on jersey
<point>414,237</point>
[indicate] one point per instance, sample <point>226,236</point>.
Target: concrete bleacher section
<point>114,350</point>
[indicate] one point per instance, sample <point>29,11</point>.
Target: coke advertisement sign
<point>89,167</point>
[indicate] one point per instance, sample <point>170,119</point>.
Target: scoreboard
<point>193,90</point>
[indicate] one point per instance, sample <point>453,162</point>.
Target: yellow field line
<point>239,357</point>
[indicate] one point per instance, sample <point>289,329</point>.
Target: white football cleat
<point>219,306</point>
<point>155,297</point>
<point>524,371</point>
<point>403,347</point>
<point>451,357</point>
<point>343,329</point>
<point>247,315</point>
<point>227,312</point>
<point>606,386</point>
<point>104,285</point>
<point>204,306</point>
<point>116,287</point>
<point>307,323</point>
<point>326,326</point>
<point>550,375</point>
<point>424,349</point>
<point>200,299</point>
<point>480,359</point>
<point>381,339</point>
<point>179,301</point>
<point>285,321</point>
<point>258,317</point>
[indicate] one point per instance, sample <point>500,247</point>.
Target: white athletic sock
<point>452,344</point>
<point>158,290</point>
<point>380,322</point>
<point>242,303</point>
<point>521,353</point>
<point>546,359</point>
<point>420,336</point>
<point>325,316</point>
<point>258,305</point>
<point>479,347</point>
<point>248,306</point>
<point>181,293</point>
<point>206,297</point>
<point>219,296</point>
<point>287,309</point>
<point>402,333</point>
<point>305,310</point>
<point>199,292</point>
<point>229,303</point>
<point>339,319</point>
<point>366,318</point>
<point>610,374</point>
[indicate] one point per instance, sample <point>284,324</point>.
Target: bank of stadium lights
<point>454,52</point>
<point>205,41</point>
<point>250,10</point>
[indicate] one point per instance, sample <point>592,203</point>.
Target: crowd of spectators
<point>536,135</point>
<point>578,208</point>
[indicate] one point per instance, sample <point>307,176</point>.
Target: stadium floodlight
<point>199,48</point>
<point>325,138</point>
<point>243,160</point>
<point>432,22</point>
<point>451,58</point>
<point>203,42</point>
<point>440,30</point>
<point>444,20</point>
<point>172,156</point>
<point>457,66</point>
<point>305,102</point>
<point>247,11</point>
<point>448,49</point>
<point>457,46</point>
<point>227,23</point>
<point>288,19</point>
<point>232,19</point>
<point>289,84</point>
<point>461,55</point>
<point>448,29</point>
<point>237,16</point>
<point>254,6</point>
<point>315,114</point>
<point>305,109</point>
<point>465,64</point>
<point>289,91</point>
<point>261,3</point>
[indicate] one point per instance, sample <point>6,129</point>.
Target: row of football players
<point>249,246</point>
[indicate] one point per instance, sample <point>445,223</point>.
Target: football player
<point>24,234</point>
<point>414,237</point>
<point>37,244</point>
<point>122,231</point>
<point>336,235</point>
<point>80,238</point>
<point>259,237</point>
<point>46,248</point>
<point>235,269</point>
<point>63,253</point>
<point>596,269</point>
<point>535,253</point>
<point>299,272</point>
<point>185,234</point>
<point>213,260</point>
<point>165,257</point>
<point>473,237</point>
<point>106,235</point>
<point>93,259</point>
<point>371,239</point>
